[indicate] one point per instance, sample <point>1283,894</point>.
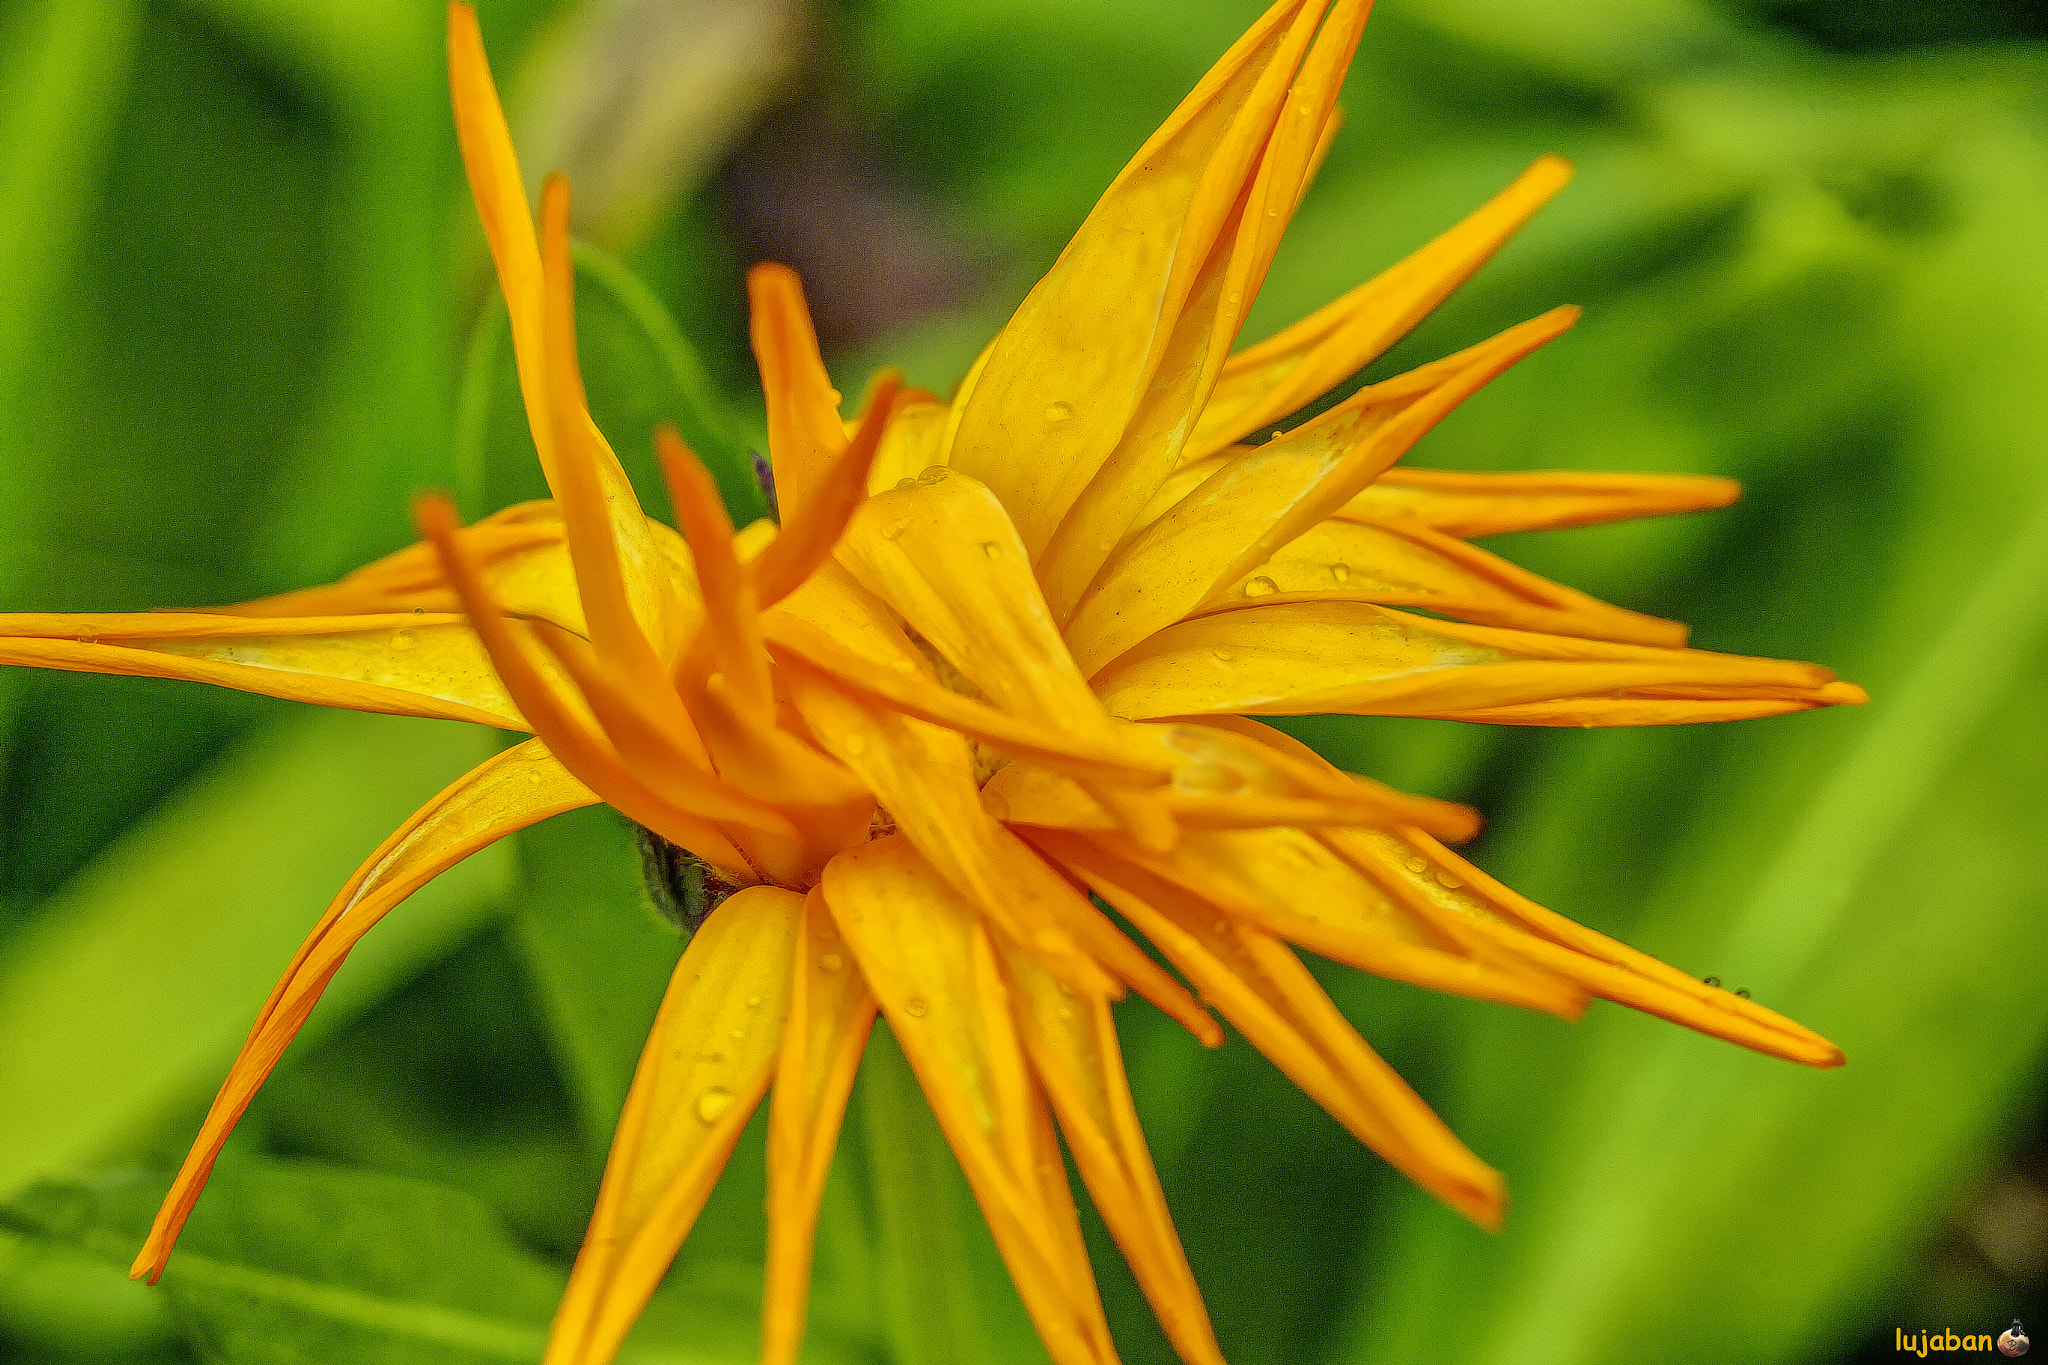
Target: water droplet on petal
<point>1261,586</point>
<point>713,1102</point>
<point>1418,864</point>
<point>991,549</point>
<point>1059,412</point>
<point>738,1034</point>
<point>831,962</point>
<point>87,635</point>
<point>404,639</point>
<point>1236,295</point>
<point>914,1008</point>
<point>419,611</point>
<point>936,474</point>
<point>1341,572</point>
<point>753,1002</point>
<point>1208,779</point>
<point>1713,981</point>
<point>1446,880</point>
<point>897,527</point>
<point>1742,991</point>
<point>1222,656</point>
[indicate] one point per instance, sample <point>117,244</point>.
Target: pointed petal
<point>1427,876</point>
<point>942,552</point>
<point>830,1014</point>
<point>924,777</point>
<point>1467,505</point>
<point>688,800</point>
<point>805,437</point>
<point>1223,781</point>
<point>1253,506</point>
<point>515,789</point>
<point>1265,991</point>
<point>1073,1047</point>
<point>402,665</point>
<point>1312,658</point>
<point>1281,125</point>
<point>1407,565</point>
<point>500,194</point>
<point>705,1067</point>
<point>812,530</point>
<point>1264,383</point>
<point>1065,377</point>
<point>927,957</point>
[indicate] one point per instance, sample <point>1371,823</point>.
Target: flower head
<point>998,660</point>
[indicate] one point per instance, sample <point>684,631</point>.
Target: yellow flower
<point>1000,655</point>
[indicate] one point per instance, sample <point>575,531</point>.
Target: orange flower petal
<point>1264,383</point>
<point>1253,506</point>
<point>515,789</point>
<point>1072,1043</point>
<point>942,552</point>
<point>812,530</point>
<point>831,1012</point>
<point>1254,179</point>
<point>400,665</point>
<point>1313,658</point>
<point>1461,504</point>
<point>1265,991</point>
<point>1408,565</point>
<point>927,957</point>
<point>805,436</point>
<point>1062,382</point>
<point>705,1067</point>
<point>1425,874</point>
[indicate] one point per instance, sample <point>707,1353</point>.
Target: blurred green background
<point>244,312</point>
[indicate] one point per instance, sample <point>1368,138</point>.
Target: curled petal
<point>1311,658</point>
<point>515,789</point>
<point>706,1065</point>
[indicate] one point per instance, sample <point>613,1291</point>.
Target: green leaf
<point>285,1262</point>
<point>639,371</point>
<point>131,994</point>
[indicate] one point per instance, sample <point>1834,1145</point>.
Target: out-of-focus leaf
<point>597,956</point>
<point>1875,874</point>
<point>291,1262</point>
<point>639,370</point>
<point>132,993</point>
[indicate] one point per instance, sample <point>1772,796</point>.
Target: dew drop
<point>1418,864</point>
<point>87,635</point>
<point>404,639</point>
<point>1059,412</point>
<point>419,611</point>
<point>1236,295</point>
<point>831,962</point>
<point>1222,656</point>
<point>533,778</point>
<point>936,474</point>
<point>1742,991</point>
<point>1341,572</point>
<point>713,1102</point>
<point>914,1008</point>
<point>1446,880</point>
<point>1208,779</point>
<point>1273,212</point>
<point>991,549</point>
<point>1713,981</point>
<point>1261,586</point>
<point>897,527</point>
<point>753,1002</point>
